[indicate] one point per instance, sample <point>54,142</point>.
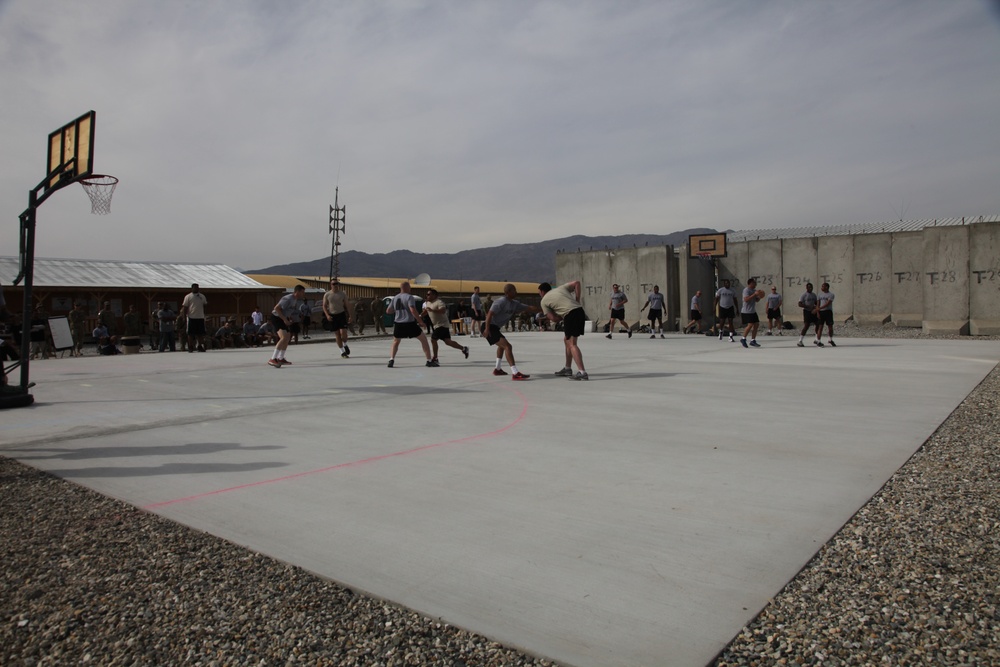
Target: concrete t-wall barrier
<point>907,279</point>
<point>872,282</point>
<point>735,266</point>
<point>946,280</point>
<point>798,261</point>
<point>984,280</point>
<point>654,267</point>
<point>764,266</point>
<point>835,265</point>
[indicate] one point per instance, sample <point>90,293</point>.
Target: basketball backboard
<point>71,152</point>
<point>712,245</point>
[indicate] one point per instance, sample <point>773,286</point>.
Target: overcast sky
<point>451,125</point>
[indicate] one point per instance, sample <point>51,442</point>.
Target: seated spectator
<point>223,336</point>
<point>106,347</point>
<point>101,331</point>
<point>250,333</point>
<point>266,334</point>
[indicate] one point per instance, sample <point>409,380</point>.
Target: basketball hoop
<point>99,188</point>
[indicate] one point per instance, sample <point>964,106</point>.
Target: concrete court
<point>640,518</point>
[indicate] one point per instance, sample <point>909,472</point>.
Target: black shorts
<point>479,317</point>
<point>809,317</point>
<point>295,327</point>
<point>727,313</point>
<point>655,314</point>
<point>494,334</point>
<point>196,327</point>
<point>695,315</point>
<point>407,330</point>
<point>749,318</point>
<point>306,320</point>
<point>441,333</point>
<point>574,323</point>
<point>617,313</point>
<point>278,323</point>
<point>338,321</point>
<point>826,317</point>
<point>774,314</point>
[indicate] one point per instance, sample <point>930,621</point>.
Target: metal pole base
<point>15,397</point>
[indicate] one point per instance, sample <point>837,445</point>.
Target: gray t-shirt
<point>618,300</point>
<point>656,300</point>
<point>773,301</point>
<point>503,309</point>
<point>166,318</point>
<point>727,297</point>
<point>826,301</point>
<point>808,300</point>
<point>750,306</point>
<point>696,303</point>
<point>477,303</point>
<point>401,304</point>
<point>287,305</point>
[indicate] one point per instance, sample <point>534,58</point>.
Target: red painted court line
<point>351,464</point>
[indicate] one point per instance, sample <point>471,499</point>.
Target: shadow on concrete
<point>190,449</point>
<point>166,469</point>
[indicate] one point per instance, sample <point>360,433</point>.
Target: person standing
<point>774,311</point>
<point>193,308</point>
<point>437,310</point>
<point>305,316</point>
<point>825,307</point>
<point>500,313</point>
<point>281,318</point>
<point>106,318</point>
<point>725,302</point>
<point>406,323</point>
<point>166,317</point>
<point>617,307</point>
<point>810,316</point>
<point>132,325</point>
<point>476,305</point>
<point>655,303</point>
<point>563,303</point>
<point>695,314</point>
<point>748,313</point>
<point>78,324</point>
<point>257,316</point>
<point>337,310</point>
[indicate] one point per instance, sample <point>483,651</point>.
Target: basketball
<point>760,294</point>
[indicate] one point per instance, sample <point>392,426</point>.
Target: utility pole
<point>338,225</point>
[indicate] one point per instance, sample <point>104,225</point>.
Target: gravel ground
<point>912,579</point>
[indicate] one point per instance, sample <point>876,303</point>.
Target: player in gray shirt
<point>406,318</point>
<point>617,308</point>
<point>810,315</point>
<point>500,313</point>
<point>725,301</point>
<point>655,303</point>
<point>773,311</point>
<point>824,306</point>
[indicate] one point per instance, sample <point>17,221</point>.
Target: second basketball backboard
<point>706,245</point>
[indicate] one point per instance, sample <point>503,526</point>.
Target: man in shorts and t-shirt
<point>617,308</point>
<point>437,310</point>
<point>476,304</point>
<point>725,300</point>
<point>810,317</point>
<point>337,310</point>
<point>824,303</point>
<point>655,303</point>
<point>193,307</point>
<point>501,312</point>
<point>406,323</point>
<point>695,322</point>
<point>748,313</point>
<point>282,319</point>
<point>563,303</point>
<point>773,311</point>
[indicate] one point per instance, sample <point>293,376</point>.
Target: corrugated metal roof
<point>446,286</point>
<point>144,275</point>
<point>864,228</point>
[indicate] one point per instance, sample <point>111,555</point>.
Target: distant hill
<point>527,262</point>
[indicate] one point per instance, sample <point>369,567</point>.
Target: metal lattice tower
<point>338,225</point>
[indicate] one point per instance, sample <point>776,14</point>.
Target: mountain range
<point>520,262</point>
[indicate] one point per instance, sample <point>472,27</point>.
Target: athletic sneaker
<point>662,336</point>
<point>768,333</point>
<point>347,351</point>
<point>465,351</point>
<point>432,363</point>
<point>629,333</point>
<point>817,343</point>
<point>391,362</point>
<point>499,371</point>
<point>800,344</point>
<point>519,376</point>
<point>732,340</point>
<point>831,343</point>
<point>608,336</point>
<point>274,362</point>
<point>754,343</point>
<point>564,372</point>
<point>743,341</point>
<point>285,362</point>
<point>720,335</point>
<point>581,375</point>
<point>653,336</point>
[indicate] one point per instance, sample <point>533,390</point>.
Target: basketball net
<point>99,188</point>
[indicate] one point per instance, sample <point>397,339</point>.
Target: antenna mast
<point>338,225</point>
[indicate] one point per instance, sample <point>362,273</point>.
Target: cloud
<point>456,125</point>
